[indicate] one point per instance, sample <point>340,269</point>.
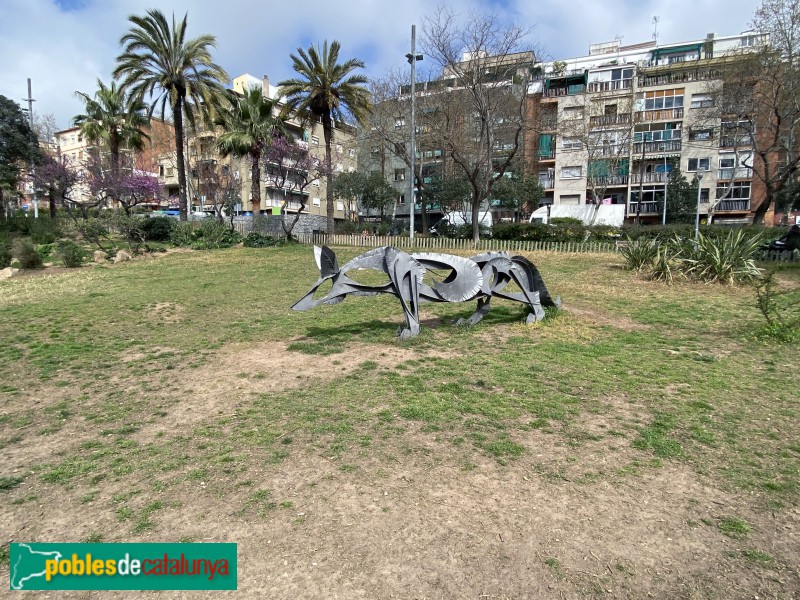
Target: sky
<point>64,46</point>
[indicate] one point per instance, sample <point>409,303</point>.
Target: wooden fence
<point>431,243</point>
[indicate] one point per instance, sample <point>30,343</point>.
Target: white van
<point>458,218</point>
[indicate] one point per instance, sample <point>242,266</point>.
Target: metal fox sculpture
<point>481,277</point>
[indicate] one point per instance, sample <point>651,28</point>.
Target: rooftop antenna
<point>656,19</point>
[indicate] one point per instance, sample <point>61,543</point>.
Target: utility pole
<point>666,184</point>
<point>412,57</point>
<point>30,101</point>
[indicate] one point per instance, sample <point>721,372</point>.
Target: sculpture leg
<point>480,312</point>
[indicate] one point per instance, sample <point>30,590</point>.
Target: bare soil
<point>420,519</point>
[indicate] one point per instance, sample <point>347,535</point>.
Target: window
<point>704,194</point>
<point>160,170</point>
<point>339,206</point>
<point>352,152</point>
<point>399,174</point>
<point>571,143</point>
<point>339,167</point>
<point>339,149</point>
<point>315,183</point>
<point>610,109</point>
<point>401,199</point>
<point>739,190</point>
<point>702,101</point>
<point>571,172</point>
<point>700,135</point>
<point>727,163</point>
<point>399,123</point>
<point>569,199</point>
<point>661,99</point>
<point>315,202</point>
<point>749,41</point>
<point>699,164</point>
<point>617,74</point>
<point>314,140</point>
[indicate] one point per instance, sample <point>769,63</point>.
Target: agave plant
<point>668,261</point>
<point>639,254</point>
<point>728,260</point>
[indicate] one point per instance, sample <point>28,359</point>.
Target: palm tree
<point>159,61</point>
<point>249,124</point>
<point>114,118</point>
<point>327,91</point>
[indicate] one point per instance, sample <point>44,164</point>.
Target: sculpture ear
<point>326,261</point>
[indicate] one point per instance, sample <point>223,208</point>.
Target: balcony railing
<point>655,147</point>
<point>570,91</point>
<point>604,120</point>
<point>610,150</point>
<point>728,141</point>
<point>738,205</point>
<point>648,208</point>
<point>682,76</point>
<point>736,173</point>
<point>542,155</point>
<point>665,114</point>
<point>548,124</point>
<point>547,182</point>
<point>649,177</point>
<point>609,181</point>
<point>610,86</point>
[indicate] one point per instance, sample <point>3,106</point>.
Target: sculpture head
<point>329,270</point>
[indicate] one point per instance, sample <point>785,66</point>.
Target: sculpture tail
<point>326,261</point>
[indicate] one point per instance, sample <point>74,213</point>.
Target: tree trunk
<point>255,185</point>
<point>177,118</point>
<point>476,226</point>
<point>52,201</point>
<point>329,206</point>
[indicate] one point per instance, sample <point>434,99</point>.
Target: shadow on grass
<point>333,340</point>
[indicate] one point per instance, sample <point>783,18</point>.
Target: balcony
<point>649,177</point>
<point>548,123</point>
<point>648,208</point>
<point>733,205</point>
<point>545,155</point>
<point>616,150</point>
<point>737,173</point>
<point>684,76</point>
<point>558,92</point>
<point>657,147</point>
<point>547,183</point>
<point>728,141</point>
<point>610,181</point>
<point>666,114</point>
<point>610,86</point>
<point>607,120</point>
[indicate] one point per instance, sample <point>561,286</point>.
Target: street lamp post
<point>412,58</point>
<point>30,101</point>
<point>697,214</point>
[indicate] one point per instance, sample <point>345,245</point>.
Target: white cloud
<point>67,51</point>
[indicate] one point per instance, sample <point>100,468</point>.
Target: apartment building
<point>73,148</point>
<point>613,124</point>
<point>204,162</point>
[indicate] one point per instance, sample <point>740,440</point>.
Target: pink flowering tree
<point>288,166</point>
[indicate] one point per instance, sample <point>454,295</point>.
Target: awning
<point>675,49</point>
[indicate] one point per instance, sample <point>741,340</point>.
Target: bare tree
<point>477,108</point>
<point>600,128</point>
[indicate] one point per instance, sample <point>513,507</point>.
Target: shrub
<point>132,227</point>
<point>639,254</point>
<point>5,253</point>
<point>780,308</point>
<point>565,221</point>
<point>182,234</point>
<point>158,229</point>
<point>44,231</point>
<point>213,234</point>
<point>44,250</point>
<point>259,240</point>
<point>27,256</point>
<point>93,231</point>
<point>71,254</point>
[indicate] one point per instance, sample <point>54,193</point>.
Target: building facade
<point>615,123</point>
